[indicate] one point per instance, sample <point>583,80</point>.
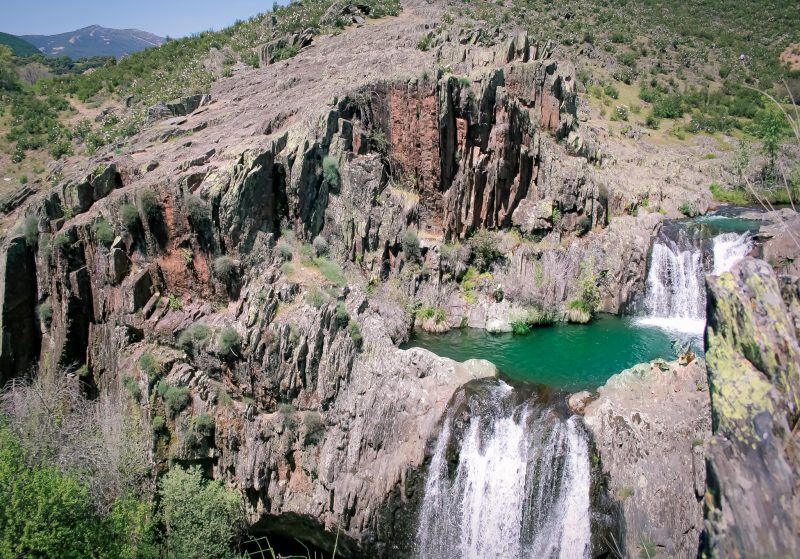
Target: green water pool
<point>564,356</point>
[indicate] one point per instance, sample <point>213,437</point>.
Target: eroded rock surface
<point>650,425</point>
<point>752,501</point>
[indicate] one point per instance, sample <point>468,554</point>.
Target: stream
<point>510,471</point>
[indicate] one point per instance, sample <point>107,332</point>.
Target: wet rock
<point>577,402</point>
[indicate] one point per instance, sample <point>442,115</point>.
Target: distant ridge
<point>20,46</point>
<point>95,41</point>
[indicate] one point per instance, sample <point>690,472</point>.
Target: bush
<point>30,230</point>
<point>103,232</point>
<point>320,245</point>
<point>484,249</point>
<point>158,424</point>
<point>61,242</point>
<point>150,366</point>
<point>225,268</point>
<point>520,328</point>
<point>332,271</point>
<point>199,214</point>
<point>194,336</point>
<point>611,91</point>
<point>285,250</point>
<point>150,204</point>
<point>130,384</point>
<point>46,315</point>
<point>330,173</point>
<point>130,217</point>
<point>229,342</point>
<point>201,518</point>
<point>176,398</point>
<point>355,332</point>
<point>316,298</point>
<point>425,43</point>
<point>341,315</point>
<point>734,196</point>
<point>411,246</point>
<point>652,122</point>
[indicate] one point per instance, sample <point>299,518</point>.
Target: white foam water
<point>728,249</point>
<point>520,488</point>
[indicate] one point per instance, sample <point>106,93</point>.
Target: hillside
<point>94,40</point>
<point>221,258</point>
<point>19,46</point>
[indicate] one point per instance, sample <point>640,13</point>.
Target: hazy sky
<point>175,18</point>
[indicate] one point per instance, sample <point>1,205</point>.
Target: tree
<point>8,74</point>
<point>742,160</point>
<point>201,518</point>
<point>770,125</point>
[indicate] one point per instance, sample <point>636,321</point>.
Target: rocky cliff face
<point>752,504</point>
<point>650,425</point>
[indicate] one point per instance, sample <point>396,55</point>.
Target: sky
<point>176,18</point>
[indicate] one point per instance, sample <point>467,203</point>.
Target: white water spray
<point>520,488</point>
<point>728,249</point>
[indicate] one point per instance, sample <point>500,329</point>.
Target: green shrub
<point>330,172</point>
<point>204,425</point>
<point>735,196</point>
<point>61,242</point>
<point>332,271</point>
<point>520,328</point>
<point>251,59</point>
<point>688,209</point>
<point>103,232</point>
<point>229,342</point>
<point>46,315</point>
<point>484,249</point>
<point>285,53</point>
<point>320,245</point>
<point>652,122</point>
<point>225,268</point>
<point>611,91</point>
<point>201,518</point>
<point>341,315</point>
<point>150,205</point>
<point>158,424</point>
<point>193,337</point>
<point>199,214</point>
<point>411,246</point>
<point>150,366</point>
<point>130,217</point>
<point>355,332</point>
<point>316,298</point>
<point>130,384</point>
<point>176,398</point>
<point>425,43</point>
<point>285,250</point>
<point>30,230</point>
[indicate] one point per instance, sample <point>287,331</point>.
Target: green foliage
<point>611,91</point>
<point>320,245</point>
<point>688,209</point>
<point>158,424</point>
<point>193,337</point>
<point>735,196</point>
<point>61,242</point>
<point>355,332</point>
<point>771,127</point>
<point>229,342</point>
<point>485,249</point>
<point>341,315</point>
<point>44,513</point>
<point>251,59</point>
<point>150,366</point>
<point>46,315</point>
<point>199,214</point>
<point>103,232</point>
<point>285,53</point>
<point>130,384</point>
<point>332,271</point>
<point>315,297</point>
<point>130,217</point>
<point>520,328</point>
<point>150,205</point>
<point>330,173</point>
<point>425,43</point>
<point>411,247</point>
<point>588,299</point>
<point>225,268</point>
<point>176,398</point>
<point>201,518</point>
<point>30,230</point>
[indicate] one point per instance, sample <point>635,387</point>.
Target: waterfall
<point>728,249</point>
<point>675,291</point>
<point>519,488</point>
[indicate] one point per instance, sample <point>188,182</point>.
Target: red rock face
<point>414,135</point>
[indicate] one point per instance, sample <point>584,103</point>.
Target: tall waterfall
<point>675,291</point>
<point>514,484</point>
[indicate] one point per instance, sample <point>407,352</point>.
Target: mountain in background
<point>20,46</point>
<point>95,41</point>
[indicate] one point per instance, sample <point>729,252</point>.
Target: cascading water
<point>728,249</point>
<point>513,482</point>
<point>675,290</point>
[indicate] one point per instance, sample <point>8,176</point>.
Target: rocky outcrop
<point>752,502</point>
<point>20,336</point>
<point>650,425</point>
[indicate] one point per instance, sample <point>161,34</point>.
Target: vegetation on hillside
<point>18,45</point>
